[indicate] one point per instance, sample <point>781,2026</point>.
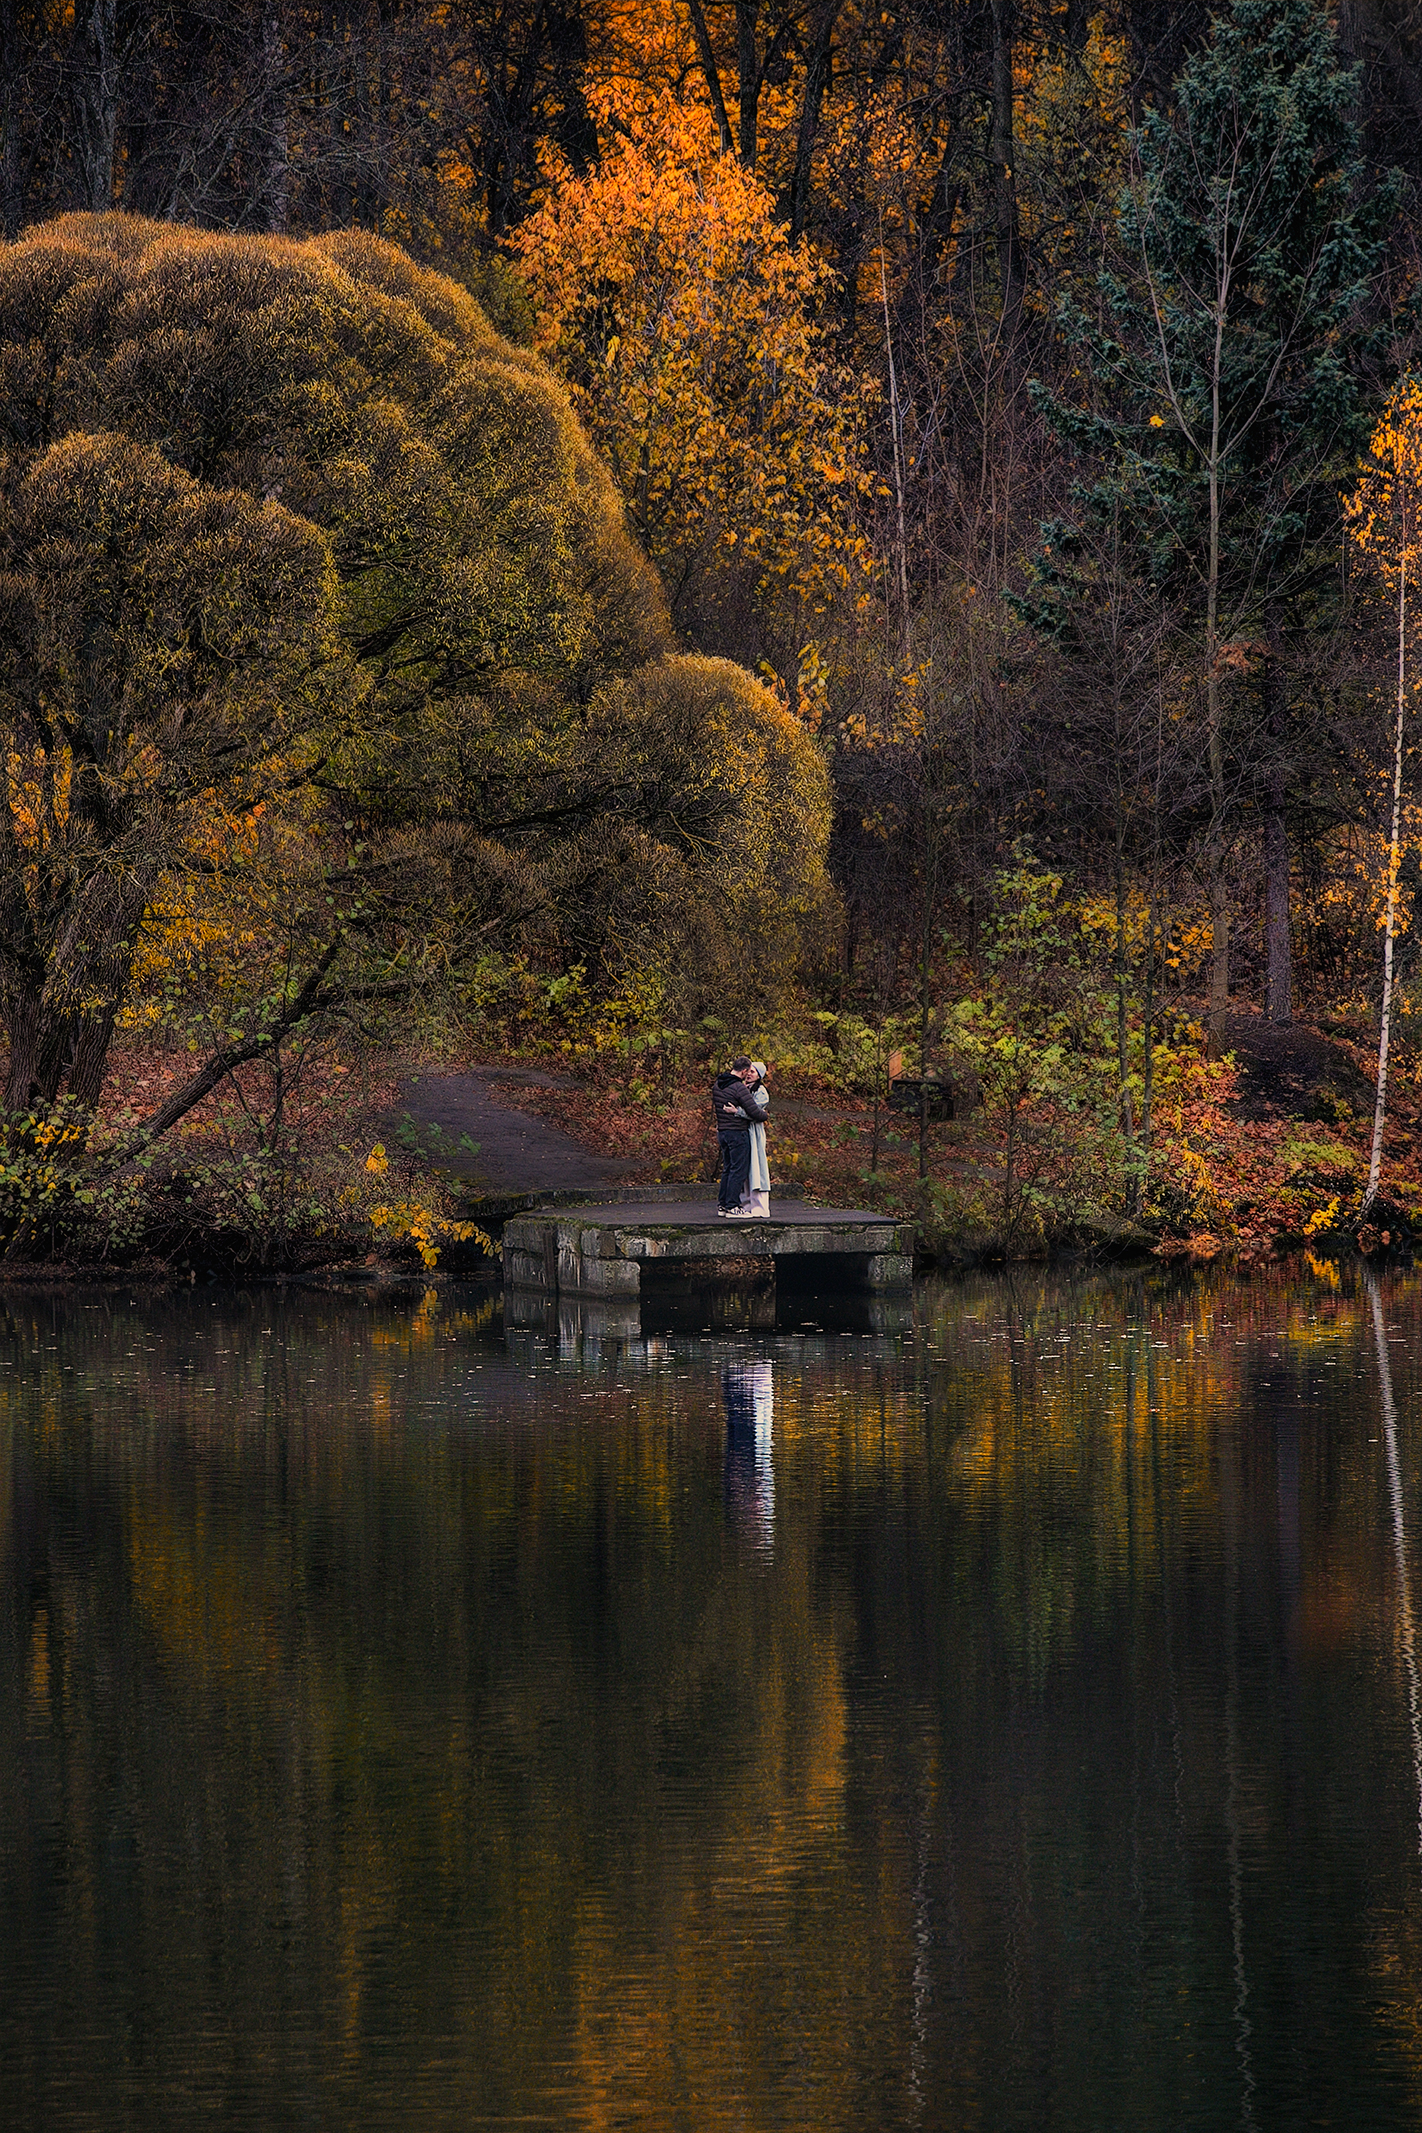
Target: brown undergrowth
<point>1263,1150</point>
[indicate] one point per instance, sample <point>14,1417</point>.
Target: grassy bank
<point>1262,1151</point>
<point>293,1169</point>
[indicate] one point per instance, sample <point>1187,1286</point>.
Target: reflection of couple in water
<point>740,1098</point>
<point>748,1391</point>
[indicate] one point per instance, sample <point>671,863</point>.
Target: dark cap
<point>737,1064</point>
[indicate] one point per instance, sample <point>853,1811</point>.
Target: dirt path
<point>1291,1071</point>
<point>513,1151</point>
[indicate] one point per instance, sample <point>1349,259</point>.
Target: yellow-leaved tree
<point>752,824</point>
<point>670,298</point>
<point>1384,516</point>
<point>313,600</point>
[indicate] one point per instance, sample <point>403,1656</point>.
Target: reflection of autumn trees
<point>419,1701</point>
<point>1105,1399</point>
<point>382,1660</point>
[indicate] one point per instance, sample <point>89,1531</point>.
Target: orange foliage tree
<point>670,298</point>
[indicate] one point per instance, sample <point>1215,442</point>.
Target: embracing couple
<point>740,1099</point>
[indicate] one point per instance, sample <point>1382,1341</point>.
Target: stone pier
<point>606,1251</point>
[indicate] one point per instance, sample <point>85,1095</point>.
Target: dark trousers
<point>735,1166</point>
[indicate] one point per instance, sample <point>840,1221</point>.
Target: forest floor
<point>483,1127</point>
<point>1264,1150</point>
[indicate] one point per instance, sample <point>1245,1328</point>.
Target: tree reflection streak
<point>1399,1542</point>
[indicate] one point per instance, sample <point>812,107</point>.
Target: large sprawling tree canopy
<point>318,612</point>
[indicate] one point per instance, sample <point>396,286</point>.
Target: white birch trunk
<point>1393,868</point>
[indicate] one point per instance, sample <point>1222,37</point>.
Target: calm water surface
<point>1008,1720</point>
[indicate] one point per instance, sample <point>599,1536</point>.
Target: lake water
<point>1008,1718</point>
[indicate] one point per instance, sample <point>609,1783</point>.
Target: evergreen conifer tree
<point>1227,356</point>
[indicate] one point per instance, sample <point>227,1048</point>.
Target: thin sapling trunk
<point>1382,516</point>
<point>1394,855</point>
<point>1123,1062</point>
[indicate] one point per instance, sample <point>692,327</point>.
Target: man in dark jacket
<point>736,1111</point>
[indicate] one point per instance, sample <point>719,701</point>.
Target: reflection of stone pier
<point>626,1252</point>
<point>588,1330</point>
<point>579,1330</point>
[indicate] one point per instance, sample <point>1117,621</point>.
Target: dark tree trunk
<point>816,76</point>
<point>1161,32</point>
<point>361,144</point>
<point>60,1015</point>
<point>11,91</point>
<point>275,202</point>
<point>712,73</point>
<point>1123,1030</point>
<point>89,1055</point>
<point>39,1041</point>
<point>1278,972</point>
<point>337,88</point>
<point>568,55</point>
<point>925,987</point>
<point>1278,984</point>
<point>937,216</point>
<point>1004,178</point>
<point>1148,1068</point>
<point>384,103</point>
<point>748,66</point>
<point>94,92</point>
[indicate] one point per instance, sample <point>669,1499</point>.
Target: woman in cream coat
<point>756,1198</point>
